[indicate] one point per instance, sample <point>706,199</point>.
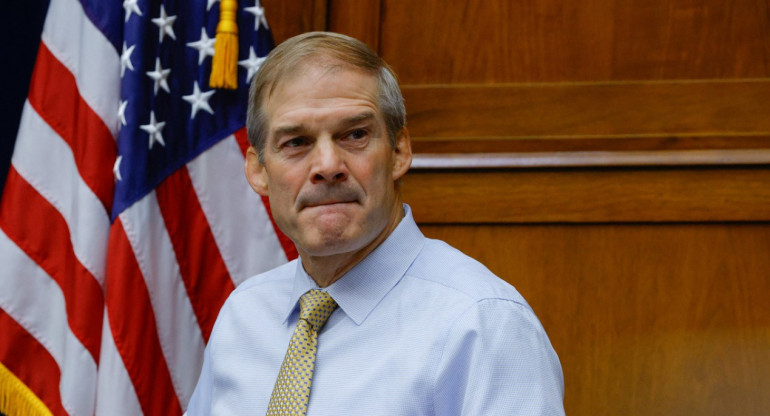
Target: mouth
<point>329,204</point>
<point>328,198</point>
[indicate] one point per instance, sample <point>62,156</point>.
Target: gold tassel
<point>16,399</point>
<point>224,65</point>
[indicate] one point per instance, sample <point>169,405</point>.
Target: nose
<point>328,164</point>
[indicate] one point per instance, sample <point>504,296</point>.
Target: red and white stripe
<point>112,319</point>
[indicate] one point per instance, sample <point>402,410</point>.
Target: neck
<point>326,270</point>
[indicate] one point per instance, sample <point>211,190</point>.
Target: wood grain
<point>646,319</point>
<point>357,18</point>
<point>677,194</point>
<point>501,41</point>
<point>590,143</point>
<point>752,157</point>
<point>649,274</point>
<point>590,110</point>
<point>290,18</point>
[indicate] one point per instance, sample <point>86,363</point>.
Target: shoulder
<point>491,340</point>
<point>262,295</point>
<point>443,265</point>
<point>464,293</point>
<point>270,280</point>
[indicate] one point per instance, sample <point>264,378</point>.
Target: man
<point>406,325</point>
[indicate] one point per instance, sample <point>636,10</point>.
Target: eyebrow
<point>287,130</point>
<point>297,128</point>
<point>358,118</point>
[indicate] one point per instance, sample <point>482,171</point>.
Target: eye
<point>357,134</point>
<point>295,142</point>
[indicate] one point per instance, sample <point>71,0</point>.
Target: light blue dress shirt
<point>421,329</point>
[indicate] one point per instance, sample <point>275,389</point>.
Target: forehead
<point>321,86</point>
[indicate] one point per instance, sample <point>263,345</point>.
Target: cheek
<point>377,180</point>
<point>285,185</point>
<point>282,193</point>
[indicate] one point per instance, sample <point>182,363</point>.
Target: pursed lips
<point>327,197</point>
<point>328,203</point>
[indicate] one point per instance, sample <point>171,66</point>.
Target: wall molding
<point>737,157</point>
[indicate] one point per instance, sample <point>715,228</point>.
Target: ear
<point>402,153</point>
<point>255,172</point>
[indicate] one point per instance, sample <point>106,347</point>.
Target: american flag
<point>126,219</point>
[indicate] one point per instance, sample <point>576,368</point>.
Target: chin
<point>325,249</point>
<point>332,241</point>
<point>329,235</point>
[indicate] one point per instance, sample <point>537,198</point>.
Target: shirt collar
<point>363,287</point>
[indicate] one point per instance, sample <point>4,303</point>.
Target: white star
<point>199,100</point>
<point>211,3</point>
<point>160,76</point>
<point>165,23</point>
<point>125,59</point>
<point>259,15</point>
<point>116,169</point>
<point>131,6</point>
<point>252,64</point>
<point>122,113</point>
<point>154,129</point>
<point>205,46</point>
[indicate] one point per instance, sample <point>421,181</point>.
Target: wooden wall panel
<point>652,283</point>
<point>499,41</point>
<point>606,109</point>
<point>589,196</point>
<point>668,319</point>
<point>609,158</point>
<point>548,75</point>
<point>358,18</point>
<point>290,18</point>
<point>694,114</point>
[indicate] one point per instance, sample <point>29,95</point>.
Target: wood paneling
<point>647,319</point>
<point>358,18</point>
<point>698,111</point>
<point>481,79</point>
<point>290,18</point>
<point>637,158</point>
<point>503,41</point>
<point>545,75</point>
<point>626,192</point>
<point>437,146</point>
<point>594,195</point>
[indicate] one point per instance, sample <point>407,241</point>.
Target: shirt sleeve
<point>497,360</point>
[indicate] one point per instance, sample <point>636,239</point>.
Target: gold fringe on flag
<point>16,399</point>
<point>224,65</point>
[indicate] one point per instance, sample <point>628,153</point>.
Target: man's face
<point>329,170</point>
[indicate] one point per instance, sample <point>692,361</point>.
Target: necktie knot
<point>315,307</point>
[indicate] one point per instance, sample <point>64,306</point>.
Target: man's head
<point>288,58</point>
<point>332,146</point>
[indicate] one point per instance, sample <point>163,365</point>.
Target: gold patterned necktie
<point>292,388</point>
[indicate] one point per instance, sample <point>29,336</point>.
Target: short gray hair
<point>288,57</point>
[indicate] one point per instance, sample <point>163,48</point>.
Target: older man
<point>373,318</point>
